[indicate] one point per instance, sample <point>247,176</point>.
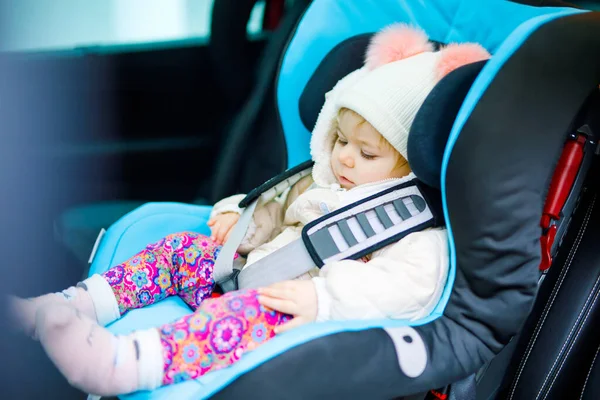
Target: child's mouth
<point>345,181</point>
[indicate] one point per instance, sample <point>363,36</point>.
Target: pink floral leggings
<point>219,331</point>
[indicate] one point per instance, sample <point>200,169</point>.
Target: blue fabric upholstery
<point>78,227</point>
<point>147,224</point>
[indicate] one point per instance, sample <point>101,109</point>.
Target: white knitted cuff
<point>324,299</point>
<point>150,361</point>
<point>233,208</point>
<point>105,303</point>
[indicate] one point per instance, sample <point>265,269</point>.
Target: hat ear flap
<point>394,43</point>
<point>456,55</point>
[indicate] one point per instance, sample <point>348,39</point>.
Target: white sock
<point>23,311</point>
<point>93,359</point>
<point>93,297</point>
<point>105,304</point>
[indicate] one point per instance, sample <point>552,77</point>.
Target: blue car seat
<point>488,137</point>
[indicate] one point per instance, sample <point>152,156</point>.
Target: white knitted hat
<point>400,71</point>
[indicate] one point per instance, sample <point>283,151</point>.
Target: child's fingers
<point>211,222</point>
<point>294,323</point>
<point>229,229</point>
<point>220,234</point>
<point>288,286</point>
<point>281,305</point>
<point>223,232</point>
<point>214,230</point>
<point>274,292</point>
<point>217,235</point>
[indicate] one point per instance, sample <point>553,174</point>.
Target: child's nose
<point>346,159</point>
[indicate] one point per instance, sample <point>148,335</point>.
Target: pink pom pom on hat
<point>401,69</point>
<point>456,55</point>
<point>396,42</point>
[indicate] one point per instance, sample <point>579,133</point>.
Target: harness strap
<point>367,225</point>
<point>224,273</point>
<point>350,232</point>
<point>288,262</point>
<point>339,235</point>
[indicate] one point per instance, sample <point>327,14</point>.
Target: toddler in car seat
<point>359,146</point>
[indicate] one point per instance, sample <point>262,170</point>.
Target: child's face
<point>358,155</point>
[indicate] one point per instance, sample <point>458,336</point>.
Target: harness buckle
<point>230,282</point>
<point>546,241</point>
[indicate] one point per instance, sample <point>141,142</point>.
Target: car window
<point>66,24</point>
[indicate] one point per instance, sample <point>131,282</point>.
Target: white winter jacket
<point>402,280</point>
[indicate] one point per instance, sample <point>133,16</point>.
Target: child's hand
<point>221,226</point>
<point>298,298</point>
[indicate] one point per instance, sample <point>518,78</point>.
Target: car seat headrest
<point>433,122</point>
<point>344,58</point>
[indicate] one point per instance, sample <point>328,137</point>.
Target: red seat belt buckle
<point>274,10</point>
<point>560,188</point>
<point>547,240</point>
<point>434,394</point>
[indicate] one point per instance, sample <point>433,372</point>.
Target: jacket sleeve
<point>404,280</point>
<point>228,204</point>
<point>268,217</point>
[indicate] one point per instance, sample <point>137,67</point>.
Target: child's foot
<point>93,359</point>
<point>23,311</point>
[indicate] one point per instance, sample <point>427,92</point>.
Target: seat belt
<point>350,232</point>
<point>224,273</point>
